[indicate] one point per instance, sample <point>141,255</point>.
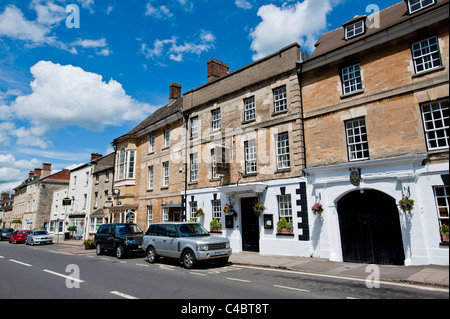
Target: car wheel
<point>120,252</point>
<point>151,255</point>
<point>189,259</point>
<point>98,249</point>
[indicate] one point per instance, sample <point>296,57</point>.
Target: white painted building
<point>80,192</point>
<point>419,232</point>
<point>58,213</point>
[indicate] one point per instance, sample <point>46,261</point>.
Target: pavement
<point>430,275</point>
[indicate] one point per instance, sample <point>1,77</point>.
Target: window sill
<point>282,170</point>
<point>418,75</point>
<point>149,189</point>
<point>244,122</point>
<point>250,174</point>
<point>285,235</point>
<point>193,183</point>
<point>164,187</point>
<point>344,96</point>
<point>279,113</point>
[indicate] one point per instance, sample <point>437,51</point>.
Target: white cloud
<point>281,26</point>
<point>243,4</point>
<point>65,95</point>
<point>176,51</point>
<point>14,25</point>
<point>160,13</point>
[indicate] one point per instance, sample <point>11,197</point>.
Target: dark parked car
<point>19,236</point>
<point>5,233</point>
<point>122,238</point>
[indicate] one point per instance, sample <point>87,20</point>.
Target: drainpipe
<point>184,212</point>
<point>299,74</point>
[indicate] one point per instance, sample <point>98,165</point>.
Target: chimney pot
<point>217,69</point>
<point>47,166</point>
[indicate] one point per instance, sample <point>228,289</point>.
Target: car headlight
<point>203,247</point>
<point>227,245</point>
<point>129,241</point>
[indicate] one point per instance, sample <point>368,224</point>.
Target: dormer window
<point>355,27</point>
<point>417,5</point>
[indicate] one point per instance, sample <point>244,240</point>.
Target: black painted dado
<point>302,202</point>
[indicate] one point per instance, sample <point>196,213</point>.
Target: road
<point>47,272</point>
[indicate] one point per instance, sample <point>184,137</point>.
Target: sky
<point>76,74</point>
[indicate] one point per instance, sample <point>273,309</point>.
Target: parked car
<point>122,238</point>
<point>189,242</point>
<point>19,236</point>
<point>5,233</point>
<point>38,237</point>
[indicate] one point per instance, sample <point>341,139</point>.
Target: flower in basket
<point>199,212</point>
<point>228,209</point>
<point>317,209</point>
<point>258,208</point>
<point>406,204</point>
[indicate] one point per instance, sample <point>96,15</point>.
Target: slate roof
<point>389,17</point>
<point>159,115</point>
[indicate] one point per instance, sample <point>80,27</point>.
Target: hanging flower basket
<point>229,210</point>
<point>258,208</point>
<point>199,212</point>
<point>317,209</point>
<point>406,204</point>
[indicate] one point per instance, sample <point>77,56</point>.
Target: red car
<point>19,236</point>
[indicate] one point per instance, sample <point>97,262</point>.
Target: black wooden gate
<point>370,228</point>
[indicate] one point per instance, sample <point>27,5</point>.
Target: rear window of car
<point>128,229</point>
<point>40,232</point>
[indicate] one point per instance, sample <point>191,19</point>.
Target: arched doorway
<point>370,228</point>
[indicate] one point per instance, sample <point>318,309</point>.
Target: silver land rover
<point>188,242</point>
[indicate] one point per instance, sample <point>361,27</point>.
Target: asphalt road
<point>45,272</point>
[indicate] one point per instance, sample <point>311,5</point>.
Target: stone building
<point>245,146</point>
<point>375,101</point>
<point>149,167</point>
<point>101,193</point>
<point>33,198</point>
<point>6,205</point>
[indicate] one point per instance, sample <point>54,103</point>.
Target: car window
<point>40,232</point>
<point>128,229</point>
<point>171,231</point>
<point>151,230</point>
<point>189,230</point>
<point>160,230</point>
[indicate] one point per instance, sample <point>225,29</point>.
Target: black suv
<point>123,238</point>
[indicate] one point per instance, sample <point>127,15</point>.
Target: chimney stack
<point>95,156</point>
<point>175,92</point>
<point>217,69</point>
<point>46,170</point>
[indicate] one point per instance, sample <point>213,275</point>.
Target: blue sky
<point>68,92</point>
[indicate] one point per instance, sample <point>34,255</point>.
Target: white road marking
<point>291,288</point>
<point>64,276</point>
<point>198,274</point>
<point>20,263</point>
<point>241,280</point>
<point>121,294</point>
